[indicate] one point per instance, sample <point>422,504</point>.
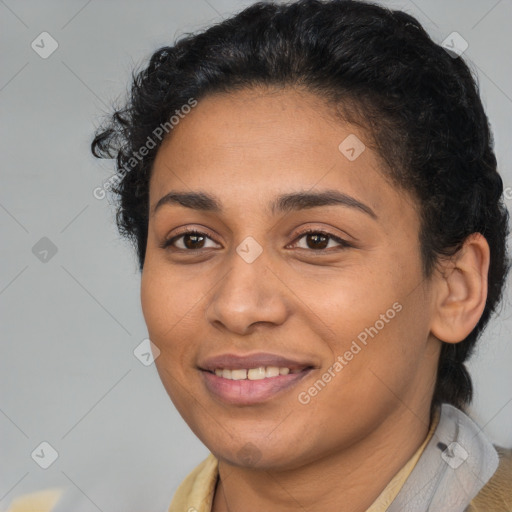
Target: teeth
<point>238,374</point>
<point>272,371</point>
<point>256,373</point>
<point>259,373</point>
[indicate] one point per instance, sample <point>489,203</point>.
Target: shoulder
<point>496,495</point>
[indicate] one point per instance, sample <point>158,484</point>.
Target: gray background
<point>69,325</point>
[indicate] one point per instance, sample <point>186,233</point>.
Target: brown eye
<point>319,240</point>
<point>193,241</point>
<point>189,241</point>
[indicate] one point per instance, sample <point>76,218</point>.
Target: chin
<point>259,456</point>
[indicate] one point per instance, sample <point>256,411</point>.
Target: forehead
<point>253,143</point>
<point>253,117</point>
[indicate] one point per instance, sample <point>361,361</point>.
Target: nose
<point>250,293</point>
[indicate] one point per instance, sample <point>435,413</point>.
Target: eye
<point>191,240</point>
<point>194,240</point>
<point>319,241</point>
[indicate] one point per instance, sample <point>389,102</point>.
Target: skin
<point>347,443</point>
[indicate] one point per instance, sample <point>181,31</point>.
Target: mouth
<point>248,380</point>
<point>261,372</point>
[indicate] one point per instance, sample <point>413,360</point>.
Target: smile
<point>252,386</point>
<point>259,373</point>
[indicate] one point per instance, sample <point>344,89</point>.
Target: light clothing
<point>42,501</point>
<point>447,473</point>
<point>389,493</point>
<point>196,492</point>
<point>456,469</point>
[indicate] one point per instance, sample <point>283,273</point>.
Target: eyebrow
<point>281,204</point>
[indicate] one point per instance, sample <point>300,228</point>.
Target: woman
<point>314,199</point>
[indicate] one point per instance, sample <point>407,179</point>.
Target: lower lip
<point>247,392</point>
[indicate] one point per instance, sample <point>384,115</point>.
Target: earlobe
<point>461,290</point>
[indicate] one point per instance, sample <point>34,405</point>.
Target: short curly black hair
<point>419,104</point>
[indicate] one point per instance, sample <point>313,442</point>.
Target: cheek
<point>369,380</point>
<point>360,306</point>
<point>381,320</point>
<point>385,361</point>
<point>169,325</point>
<point>168,300</point>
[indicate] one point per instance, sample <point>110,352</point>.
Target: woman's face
<point>334,325</point>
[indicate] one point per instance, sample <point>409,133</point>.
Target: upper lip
<point>235,361</point>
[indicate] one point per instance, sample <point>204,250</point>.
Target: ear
<point>461,290</point>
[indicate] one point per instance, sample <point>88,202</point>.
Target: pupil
<point>194,237</point>
<point>316,238</point>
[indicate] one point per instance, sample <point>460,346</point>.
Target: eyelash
<point>343,243</point>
